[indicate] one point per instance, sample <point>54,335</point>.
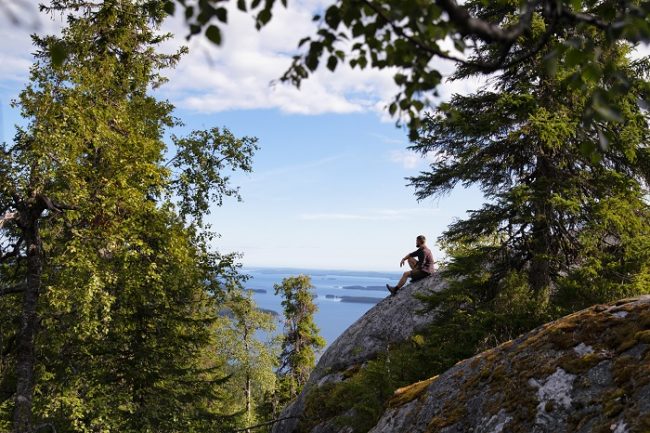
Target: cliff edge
<point>393,320</point>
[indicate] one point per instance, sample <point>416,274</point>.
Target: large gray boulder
<point>587,372</point>
<point>393,320</point>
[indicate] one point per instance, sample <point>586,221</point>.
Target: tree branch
<point>485,67</point>
<point>55,206</point>
<point>586,18</point>
<point>18,288</point>
<point>484,30</point>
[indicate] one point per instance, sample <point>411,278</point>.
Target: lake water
<point>341,298</point>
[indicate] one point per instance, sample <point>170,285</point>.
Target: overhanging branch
<point>484,30</point>
<point>18,288</point>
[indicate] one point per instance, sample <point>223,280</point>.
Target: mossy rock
<point>587,372</point>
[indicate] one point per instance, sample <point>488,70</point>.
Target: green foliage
<point>567,220</point>
<point>201,158</point>
<point>412,37</point>
<point>362,397</point>
<point>130,330</point>
<point>301,338</point>
<point>563,228</point>
<point>251,361</point>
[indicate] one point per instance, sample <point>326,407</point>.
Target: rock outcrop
<point>393,320</point>
<point>585,373</point>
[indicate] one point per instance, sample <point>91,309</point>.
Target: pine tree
<point>301,340</point>
<point>567,219</point>
<point>104,238</point>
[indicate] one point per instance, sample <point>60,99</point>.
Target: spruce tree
<point>301,339</point>
<point>567,221</point>
<point>103,238</point>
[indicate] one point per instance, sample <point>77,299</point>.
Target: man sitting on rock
<point>420,261</point>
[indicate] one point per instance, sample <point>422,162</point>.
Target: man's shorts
<point>418,274</point>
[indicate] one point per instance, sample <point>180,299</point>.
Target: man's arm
<point>406,257</point>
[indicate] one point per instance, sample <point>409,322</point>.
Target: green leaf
<point>264,17</point>
<point>591,73</point>
<point>607,112</point>
<point>222,14</point>
<point>331,63</point>
<point>574,57</point>
<point>550,63</point>
<point>333,17</point>
<point>213,33</point>
<point>170,7</point>
<point>189,12</point>
<point>58,53</point>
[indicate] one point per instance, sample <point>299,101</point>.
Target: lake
<point>342,296</point>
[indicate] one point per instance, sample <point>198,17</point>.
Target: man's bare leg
<point>401,282</point>
<point>412,264</point>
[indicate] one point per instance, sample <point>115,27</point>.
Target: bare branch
<point>55,206</point>
<point>586,18</point>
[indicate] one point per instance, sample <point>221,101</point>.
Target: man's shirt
<point>425,259</point>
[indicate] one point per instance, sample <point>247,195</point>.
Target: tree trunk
<point>540,267</point>
<point>248,386</point>
<point>22,416</point>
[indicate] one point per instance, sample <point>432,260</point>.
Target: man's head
<point>420,241</point>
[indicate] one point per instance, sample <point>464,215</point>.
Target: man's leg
<point>413,263</point>
<point>401,282</point>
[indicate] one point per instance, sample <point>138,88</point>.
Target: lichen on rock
<point>587,372</point>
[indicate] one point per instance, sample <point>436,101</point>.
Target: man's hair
<point>421,238</point>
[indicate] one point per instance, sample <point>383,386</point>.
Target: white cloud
<point>405,158</point>
<point>238,75</point>
<point>294,168</point>
<point>409,159</point>
<point>17,47</point>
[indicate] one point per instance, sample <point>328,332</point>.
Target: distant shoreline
<point>355,299</point>
<point>322,272</point>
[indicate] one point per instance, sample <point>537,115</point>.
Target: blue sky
<point>328,188</point>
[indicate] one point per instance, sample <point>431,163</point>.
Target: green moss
<point>580,364</point>
<point>504,373</point>
<point>449,418</point>
<point>643,336</point>
<point>612,402</point>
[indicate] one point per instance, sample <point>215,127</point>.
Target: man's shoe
<point>392,290</point>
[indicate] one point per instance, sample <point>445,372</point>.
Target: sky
<point>329,188</point>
